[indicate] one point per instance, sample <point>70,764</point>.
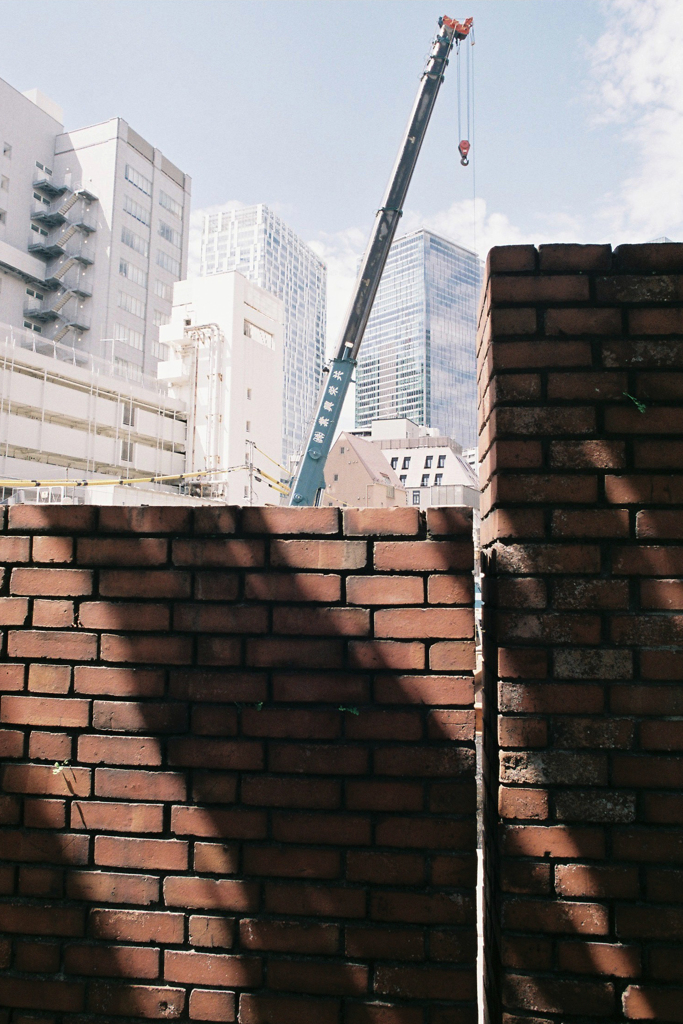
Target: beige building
<point>357,473</point>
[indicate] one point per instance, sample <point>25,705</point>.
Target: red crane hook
<point>463,149</point>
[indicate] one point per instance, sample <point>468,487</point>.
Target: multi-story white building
<point>225,366</point>
<point>63,415</point>
<point>93,233</point>
<point>258,244</point>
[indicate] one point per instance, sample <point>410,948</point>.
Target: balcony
<point>47,214</point>
<point>83,253</point>
<point>84,192</point>
<point>78,320</point>
<point>85,221</point>
<point>43,246</point>
<point>77,284</point>
<point>48,186</point>
<point>41,311</point>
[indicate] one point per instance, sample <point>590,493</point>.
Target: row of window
<point>424,482</point>
<point>129,336</point>
<point>140,245</point>
<point>145,185</point>
<point>132,304</point>
<point>258,334</point>
<point>428,462</point>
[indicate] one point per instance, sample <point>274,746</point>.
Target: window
<point>428,461</point>
<point>39,165</point>
<point>128,414</point>
<point>168,263</point>
<point>134,241</point>
<point>159,318</point>
<point>442,461</point>
<point>159,350</point>
<point>248,426</point>
<point>127,449</point>
<point>125,369</point>
<point>249,393</point>
<point>33,327</point>
<point>169,233</point>
<point>4,182</point>
<point>403,480</point>
<point>394,463</point>
<point>170,204</point>
<point>131,337</point>
<point>425,480</point>
<point>7,150</point>
<point>139,180</point>
<point>438,479</point>
<point>416,497</point>
<point>132,305</point>
<point>258,334</point>
<point>342,450</point>
<point>133,273</point>
<point>406,462</point>
<point>163,290</point>
<point>336,476</point>
<point>36,295</point>
<point>136,210</point>
<point>3,216</point>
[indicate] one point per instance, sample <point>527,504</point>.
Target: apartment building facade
<point>417,360</point>
<point>257,243</point>
<point>93,233</point>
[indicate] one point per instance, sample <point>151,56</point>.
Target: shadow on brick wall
<point>239,778</point>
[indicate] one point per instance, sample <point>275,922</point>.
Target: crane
<point>309,479</point>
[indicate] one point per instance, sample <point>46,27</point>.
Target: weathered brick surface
<point>581,535</point>
<point>238,766</point>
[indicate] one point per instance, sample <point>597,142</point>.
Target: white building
<point>429,466</point>
<point>225,366</point>
<point>93,233</point>
<point>64,415</point>
<point>258,244</point>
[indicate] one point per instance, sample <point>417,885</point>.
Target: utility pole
<point>250,469</point>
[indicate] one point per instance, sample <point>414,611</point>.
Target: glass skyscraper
<point>258,244</point>
<point>418,358</point>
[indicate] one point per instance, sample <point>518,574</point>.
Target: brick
<point>212,720</point>
<point>419,908</point>
<point>220,618</point>
<point>216,858</point>
<point>452,656</point>
<point>156,1002</point>
<point>214,787</point>
<point>319,978</point>
<point>517,523</point>
<point>661,321</point>
<point>544,489</point>
<point>425,761</point>
<point>427,555</point>
<point>524,663</point>
<point>163,650</point>
<point>45,746</point>
<point>387,725</point>
<point>276,652</point>
<point>449,522</point>
<point>522,732</point>
<point>549,558</point>
<point>13,611</point>
<point>291,723</point>
<point>12,743</point>
<point>594,454</point>
<point>291,862</point>
<point>426,982</point>
<point>144,750</point>
<point>504,259</point>
<point>66,712</point>
<point>313,900</point>
<point>562,767</point>
<point>51,582</point>
<point>36,994</point>
<point>219,650</point>
<point>212,1004</point>
<point>238,823</point>
<point>596,881</point>
<point>123,615</point>
<point>306,686</point>
<point>132,551</point>
<point>384,590</point>
<point>259,1009</point>
<point>559,995</point>
<point>578,322</point>
<point>577,594</point>
<point>430,690</point>
<point>119,682</point>
<point>381,522</point>
<point>285,791</point>
<point>112,961</point>
<point>599,958</point>
<point>14,549</point>
<point>515,802</point>
<point>211,932</point>
<point>39,813</point>
<point>322,621</point>
<point>167,583</point>
<point>52,549</point>
<point>152,854</point>
<point>386,654</point>
<point>218,553</point>
<point>538,698</point>
<point>291,827</point>
<point>133,716</point>
<point>571,257</point>
<point>643,489</point>
<point>215,520</point>
<point>319,554</point>
<point>112,887</point>
<point>289,936</point>
<point>58,614</point>
<point>29,919</point>
<point>379,868</point>
<point>212,968</point>
<point>649,1003</point>
<point>638,288</point>
<point>202,685</point>
<point>290,520</point>
<point>295,586</point>
<point>136,926</point>
<point>203,753</point>
<point>11,678</point>
<point>659,524</point>
<point>41,957</point>
<point>116,817</point>
<point>42,779</point>
<point>50,644</point>
<point>557,917</point>
<point>51,518</point>
<point>452,623</point>
<point>593,523</point>
<point>144,520</point>
<point>563,841</point>
<point>53,848</point>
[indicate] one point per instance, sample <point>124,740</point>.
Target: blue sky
<point>301,104</point>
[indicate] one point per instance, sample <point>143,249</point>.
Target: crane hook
<point>463,149</point>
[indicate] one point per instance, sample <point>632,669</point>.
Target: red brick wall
<point>238,776</point>
<point>582,532</point>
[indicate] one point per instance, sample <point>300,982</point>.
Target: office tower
<point>93,233</point>
<point>258,244</point>
<point>225,366</point>
<point>417,360</point>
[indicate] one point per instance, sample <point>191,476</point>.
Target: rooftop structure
<point>356,473</point>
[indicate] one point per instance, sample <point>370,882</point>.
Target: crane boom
<point>309,479</point>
